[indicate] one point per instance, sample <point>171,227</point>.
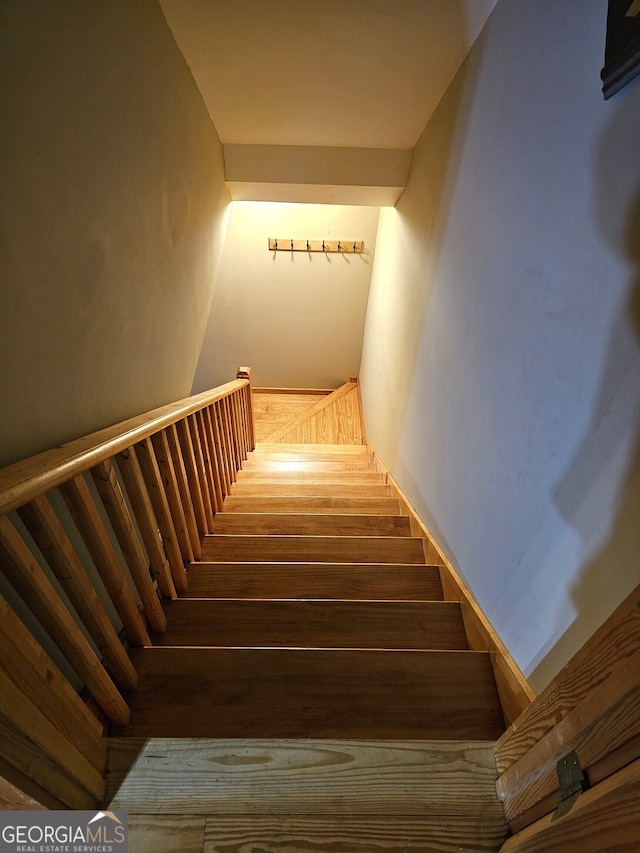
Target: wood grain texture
<point>149,466</point>
<point>365,474</point>
<point>272,408</point>
<point>34,771</point>
<point>160,833</point>
<point>303,777</point>
<point>177,509</point>
<point>327,407</point>
<point>314,624</point>
<point>617,640</point>
<point>272,463</point>
<point>354,834</point>
<point>311,504</point>
<point>39,680</point>
<point>89,522</point>
<point>338,423</point>
<point>28,786</point>
<point>313,451</point>
<point>13,799</point>
<point>311,489</point>
<point>193,476</point>
<point>329,549</point>
<point>26,576</point>
<point>604,819</point>
<point>309,524</point>
<point>313,693</point>
<point>606,720</point>
<point>22,718</point>
<point>315,580</point>
<point>128,537</point>
<point>44,525</point>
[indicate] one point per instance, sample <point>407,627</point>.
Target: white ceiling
<point>338,73</point>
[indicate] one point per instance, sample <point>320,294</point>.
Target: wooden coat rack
<point>344,247</point>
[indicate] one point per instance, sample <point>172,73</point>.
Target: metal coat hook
<point>276,244</point>
<point>307,245</point>
<point>323,245</point>
<point>338,245</point>
<point>292,245</point>
<point>354,247</point>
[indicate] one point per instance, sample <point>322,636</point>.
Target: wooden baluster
<point>245,373</point>
<point>217,477</point>
<point>29,581</point>
<point>153,479</point>
<point>242,451</point>
<point>45,527</point>
<point>206,456</point>
<point>150,533</point>
<point>220,449</point>
<point>164,459</point>
<point>242,423</point>
<point>228,432</point>
<point>194,432</point>
<point>86,515</point>
<point>183,488</point>
<point>224,440</point>
<point>193,479</point>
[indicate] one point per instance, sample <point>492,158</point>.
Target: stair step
<point>311,524</point>
<point>311,489</point>
<point>448,784</point>
<point>365,477</point>
<point>331,549</point>
<point>331,451</point>
<point>385,582</point>
<point>310,504</point>
<point>267,464</point>
<point>314,624</point>
<point>201,692</point>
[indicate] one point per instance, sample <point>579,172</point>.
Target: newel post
<point>245,373</point>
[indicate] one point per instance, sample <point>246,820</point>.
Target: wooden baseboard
<point>514,690</point>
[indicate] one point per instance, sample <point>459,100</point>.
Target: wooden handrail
<point>152,484</point>
<point>25,480</point>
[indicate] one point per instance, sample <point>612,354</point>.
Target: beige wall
<point>295,318</point>
<point>501,363</point>
<point>112,218</point>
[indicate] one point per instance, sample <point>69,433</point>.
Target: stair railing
<point>94,533</point>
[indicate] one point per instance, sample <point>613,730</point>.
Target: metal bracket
<point>572,783</point>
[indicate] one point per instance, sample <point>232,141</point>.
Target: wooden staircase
<point>304,621</point>
<point>312,690</point>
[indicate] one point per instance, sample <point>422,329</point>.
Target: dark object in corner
<point>622,50</point>
<point>572,783</point>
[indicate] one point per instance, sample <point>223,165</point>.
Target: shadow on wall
<point>607,465</point>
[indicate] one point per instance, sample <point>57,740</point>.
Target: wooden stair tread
<point>266,464</point>
<point>306,777</point>
<point>313,624</point>
<point>201,692</point>
<point>311,524</point>
<point>315,450</point>
<point>311,504</point>
<point>315,580</point>
<point>328,478</point>
<point>312,488</point>
<point>349,549</point>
